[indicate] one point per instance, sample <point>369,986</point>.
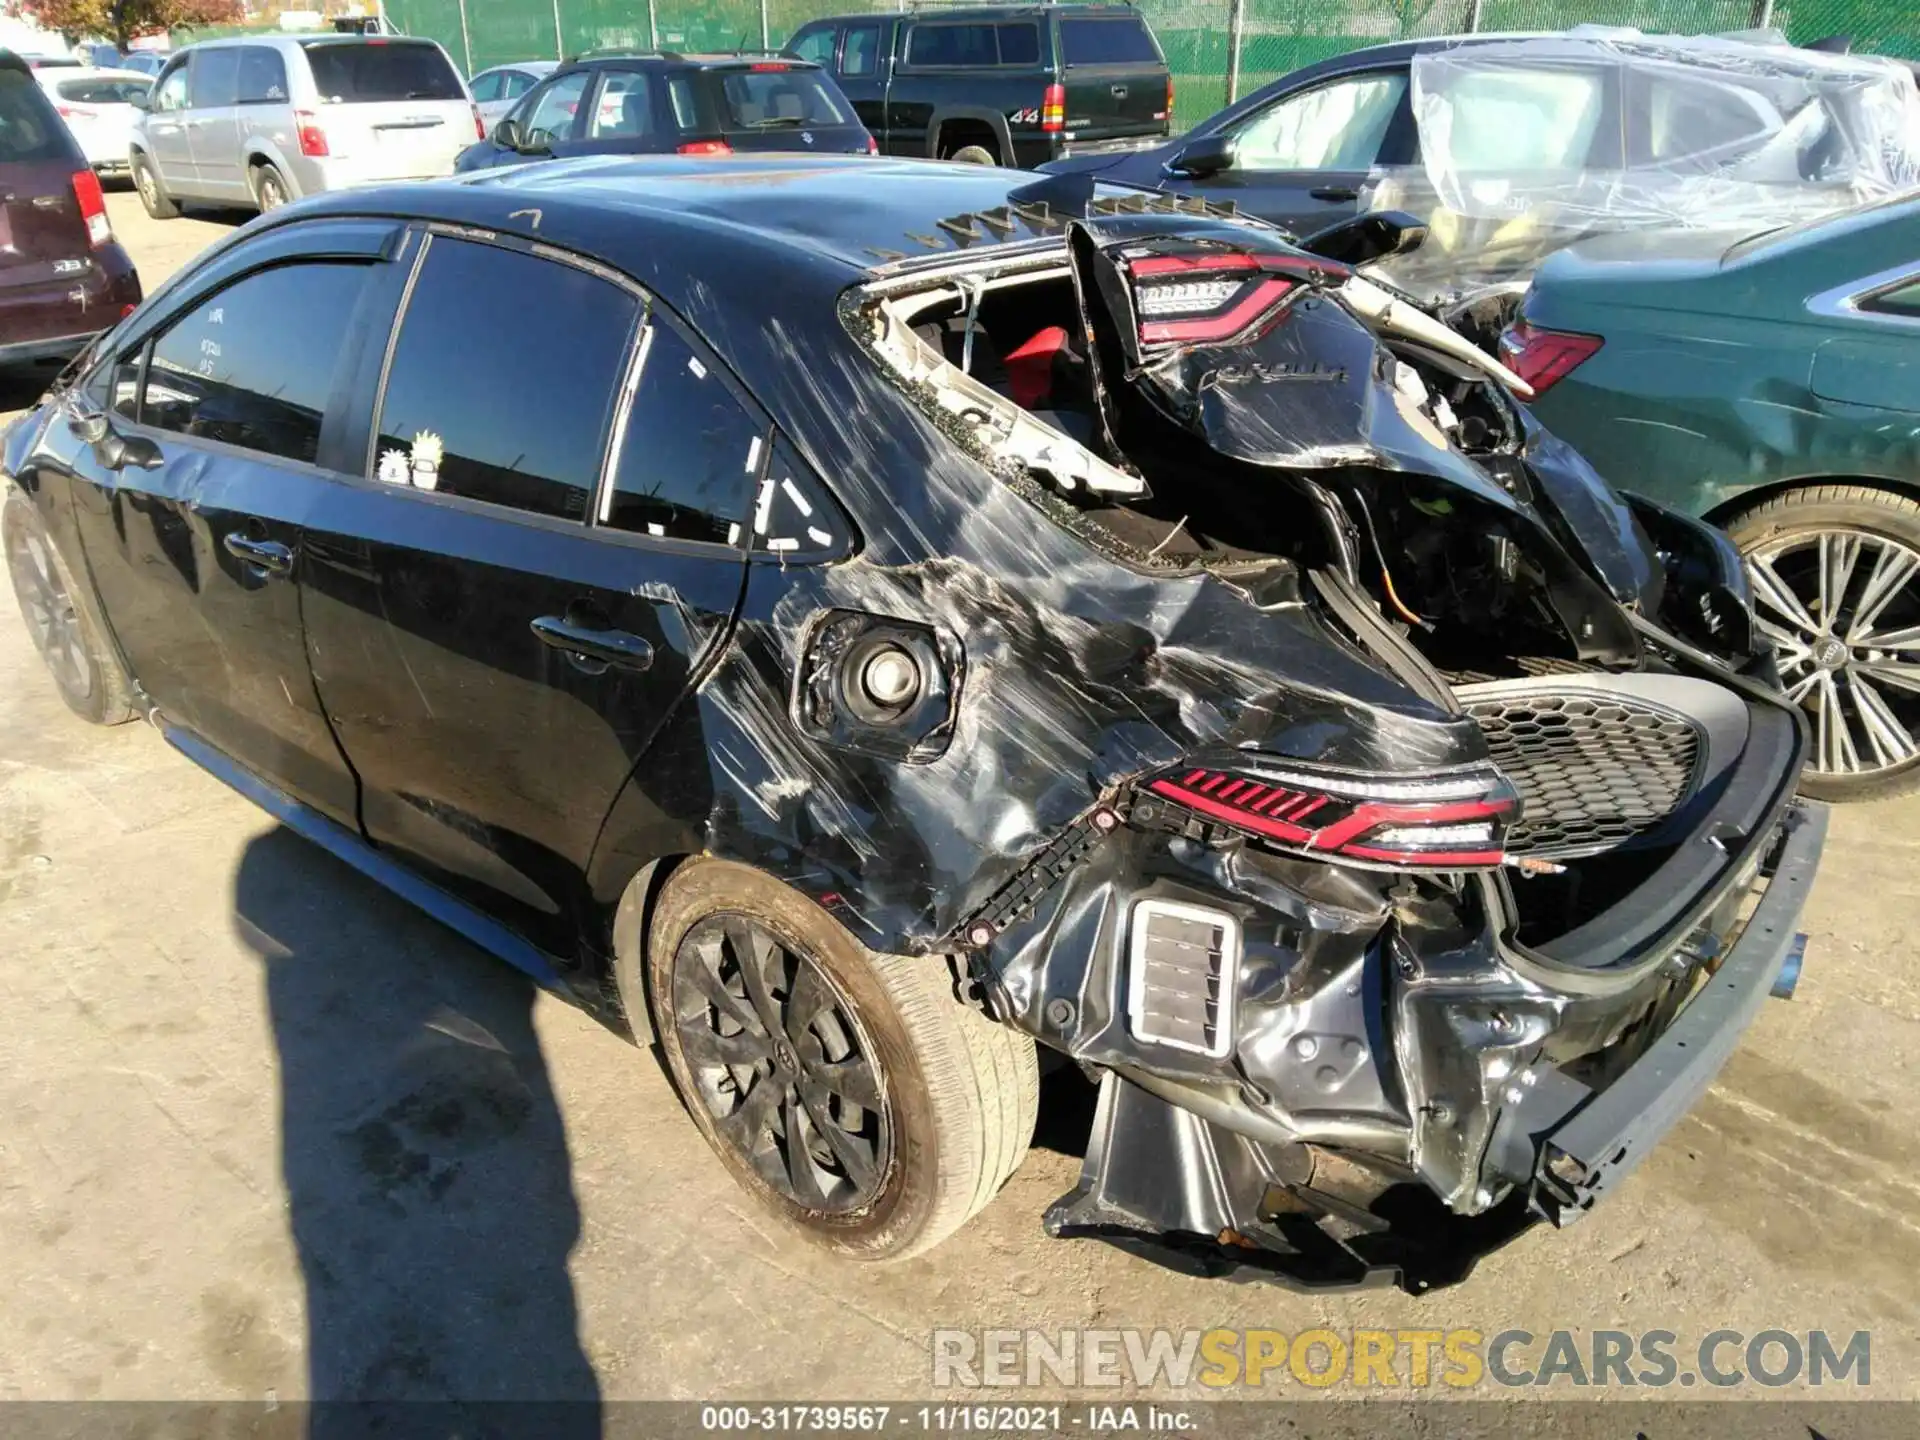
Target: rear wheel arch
<point>953,130</point>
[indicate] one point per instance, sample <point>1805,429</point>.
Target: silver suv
<point>264,120</point>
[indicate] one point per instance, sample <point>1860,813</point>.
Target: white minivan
<point>267,119</point>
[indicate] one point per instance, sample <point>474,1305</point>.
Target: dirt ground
<point>265,1131</point>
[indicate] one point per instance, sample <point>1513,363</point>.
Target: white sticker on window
<point>753,455</point>
<point>819,536</point>
<point>764,509</point>
<point>699,370</point>
<point>793,493</point>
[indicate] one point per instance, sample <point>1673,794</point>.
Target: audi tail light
<point>1053,109</point>
<point>1453,820</point>
<point>1543,358</point>
<point>705,147</point>
<point>93,207</point>
<point>1211,298</point>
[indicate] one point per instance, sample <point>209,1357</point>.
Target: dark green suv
<point>998,85</point>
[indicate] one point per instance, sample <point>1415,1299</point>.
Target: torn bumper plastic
<point>1571,1145</point>
<point>1172,1175</point>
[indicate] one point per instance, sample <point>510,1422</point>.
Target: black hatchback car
<point>664,104</point>
<point>892,613</point>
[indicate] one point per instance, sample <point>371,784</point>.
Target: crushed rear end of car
<point>1478,848</point>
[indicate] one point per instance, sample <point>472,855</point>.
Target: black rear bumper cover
<point>1571,1145</point>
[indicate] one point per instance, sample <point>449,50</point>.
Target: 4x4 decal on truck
<point>1028,116</point>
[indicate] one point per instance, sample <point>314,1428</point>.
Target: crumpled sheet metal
<point>1826,132</point>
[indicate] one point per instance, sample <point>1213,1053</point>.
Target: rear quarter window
<point>358,72</point>
<point>1123,40</point>
<point>954,45</point>
<point>29,130</point>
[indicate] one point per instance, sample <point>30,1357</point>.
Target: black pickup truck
<point>998,85</point>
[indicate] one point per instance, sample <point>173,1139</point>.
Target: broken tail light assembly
<point>1455,820</point>
<point>1543,358</point>
<point>1213,299</point>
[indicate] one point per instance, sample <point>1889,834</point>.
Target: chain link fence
<point>1217,48</point>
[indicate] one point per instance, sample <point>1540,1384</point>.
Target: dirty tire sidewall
<point>962,1092</point>
<point>974,155</point>
<point>105,698</point>
<point>146,182</point>
<point>1809,510</point>
<point>269,189</point>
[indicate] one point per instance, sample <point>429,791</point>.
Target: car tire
<point>270,190</point>
<point>949,1096</point>
<point>153,195</point>
<point>975,155</point>
<point>1855,535</point>
<point>59,620</point>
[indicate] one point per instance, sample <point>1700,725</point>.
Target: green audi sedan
<point>1771,384</point>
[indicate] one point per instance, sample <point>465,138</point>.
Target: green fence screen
<point>1276,35</point>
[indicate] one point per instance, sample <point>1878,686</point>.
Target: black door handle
<point>607,647</point>
<point>1334,192</point>
<point>269,556</point>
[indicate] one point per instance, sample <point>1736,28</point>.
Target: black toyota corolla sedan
<point>885,615</point>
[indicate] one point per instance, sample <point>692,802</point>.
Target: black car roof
<point>831,214</point>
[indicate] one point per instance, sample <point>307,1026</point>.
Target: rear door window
<point>1019,43</point>
<point>514,84</point>
<point>216,79</point>
<point>503,379</point>
<point>860,54</point>
<point>263,76</point>
<point>953,45</point>
<point>361,72</point>
<point>225,372</point>
<point>1507,119</point>
<point>771,99</point>
<point>487,87</point>
<point>1121,41</point>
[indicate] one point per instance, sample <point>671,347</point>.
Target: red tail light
<point>873,146</point>
<point>1053,109</point>
<point>706,147</point>
<point>313,139</point>
<point>1451,821</point>
<point>1210,297</point>
<point>479,125</point>
<point>764,66</point>
<point>93,207</point>
<point>1543,358</point>
<point>1167,114</point>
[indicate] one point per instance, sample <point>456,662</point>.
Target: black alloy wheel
<point>782,1064</point>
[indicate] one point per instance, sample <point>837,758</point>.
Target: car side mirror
<point>1362,239</point>
<point>140,100</point>
<point>113,450</point>
<point>537,142</point>
<point>506,133</point>
<point>1208,155</point>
